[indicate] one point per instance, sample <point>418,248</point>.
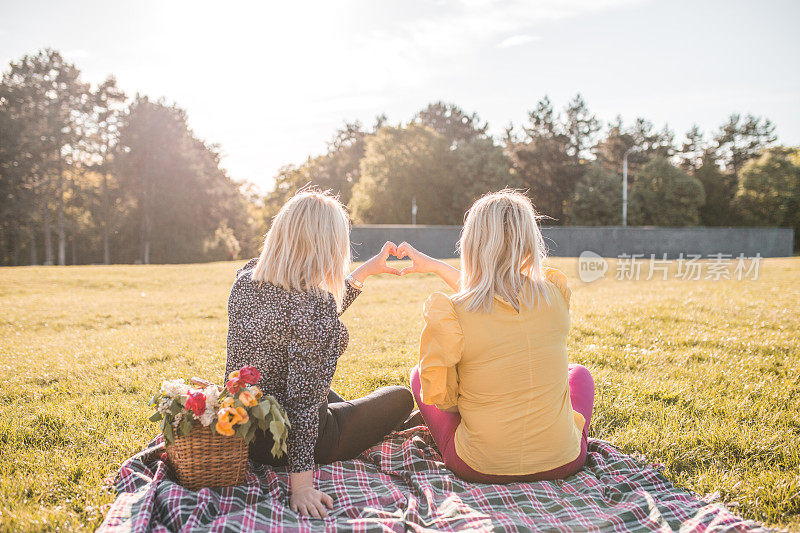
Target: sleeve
<point>441,346</point>
<point>236,345</point>
<point>311,341</point>
<point>559,279</point>
<point>350,294</point>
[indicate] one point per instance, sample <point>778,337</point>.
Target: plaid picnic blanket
<point>401,484</point>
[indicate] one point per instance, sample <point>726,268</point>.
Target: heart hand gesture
<point>420,263</point>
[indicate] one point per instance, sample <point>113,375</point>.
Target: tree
<point>546,159</point>
<point>741,139</point>
<point>452,123</point>
<point>43,94</point>
<point>338,170</point>
<point>693,150</point>
<point>719,188</point>
<point>480,167</point>
<point>643,141</point>
<point>664,195</point>
<point>581,127</point>
<point>17,201</point>
<point>107,108</point>
<point>598,198</point>
<point>181,196</point>
<point>769,190</point>
<point>399,165</point>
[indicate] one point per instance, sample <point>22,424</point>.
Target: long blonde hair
<point>502,250</point>
<point>307,248</point>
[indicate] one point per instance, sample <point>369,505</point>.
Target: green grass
<point>701,376</point>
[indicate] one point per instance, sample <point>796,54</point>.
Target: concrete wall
<point>607,241</point>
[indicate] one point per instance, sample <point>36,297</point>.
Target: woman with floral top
<point>284,320</point>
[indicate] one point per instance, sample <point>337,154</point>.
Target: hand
<point>420,263</point>
<point>377,264</point>
<point>423,264</point>
<point>308,501</point>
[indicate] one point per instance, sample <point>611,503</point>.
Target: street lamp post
<point>625,187</point>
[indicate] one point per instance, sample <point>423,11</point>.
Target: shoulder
<point>439,309</point>
<point>559,279</point>
<point>243,285</point>
<point>247,268</point>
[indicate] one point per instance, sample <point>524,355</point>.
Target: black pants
<point>347,428</point>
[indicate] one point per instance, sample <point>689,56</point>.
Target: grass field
<point>701,376</point>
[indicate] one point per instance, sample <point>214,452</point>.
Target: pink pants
<point>442,426</point>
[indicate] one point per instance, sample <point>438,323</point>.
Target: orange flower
<point>228,402</point>
<point>227,417</point>
<point>247,399</point>
<point>256,392</point>
<point>224,427</point>
<point>234,375</point>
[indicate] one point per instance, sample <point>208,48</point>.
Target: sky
<point>270,82</point>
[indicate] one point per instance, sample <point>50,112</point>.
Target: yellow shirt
<point>507,373</point>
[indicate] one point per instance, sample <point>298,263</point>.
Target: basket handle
<point>202,383</point>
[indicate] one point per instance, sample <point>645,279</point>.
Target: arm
<point>376,264</point>
<point>312,338</point>
<point>440,349</point>
<point>373,266</point>
<point>423,264</point>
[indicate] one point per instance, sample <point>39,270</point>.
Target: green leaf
<point>277,429</point>
<point>175,407</point>
<point>251,433</point>
<point>276,450</point>
<point>155,399</point>
<point>185,427</point>
<point>169,434</point>
<point>278,412</point>
<point>242,429</point>
<point>259,411</point>
<point>263,424</point>
<point>155,417</point>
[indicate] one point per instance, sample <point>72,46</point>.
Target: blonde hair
<point>502,250</point>
<point>307,247</point>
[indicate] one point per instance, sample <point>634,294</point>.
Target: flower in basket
<point>236,410</point>
<point>240,379</point>
<point>196,402</point>
<point>249,375</point>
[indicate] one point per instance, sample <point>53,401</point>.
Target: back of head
<point>307,247</point>
<point>502,250</point>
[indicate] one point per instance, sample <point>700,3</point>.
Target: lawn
<point>700,376</point>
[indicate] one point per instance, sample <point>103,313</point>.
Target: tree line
<point>569,162</point>
<point>89,175</point>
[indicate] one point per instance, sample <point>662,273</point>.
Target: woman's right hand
<point>424,264</point>
<point>305,499</point>
<point>308,501</point>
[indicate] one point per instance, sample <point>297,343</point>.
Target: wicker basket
<point>205,459</point>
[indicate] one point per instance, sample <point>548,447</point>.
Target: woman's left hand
<point>377,264</point>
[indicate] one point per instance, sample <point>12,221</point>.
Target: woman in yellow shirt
<point>494,383</point>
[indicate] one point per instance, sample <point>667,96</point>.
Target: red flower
<point>196,402</point>
<point>233,385</point>
<point>249,375</point>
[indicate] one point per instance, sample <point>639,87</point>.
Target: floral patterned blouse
<point>295,339</point>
